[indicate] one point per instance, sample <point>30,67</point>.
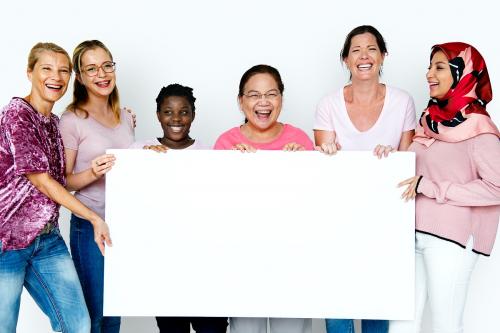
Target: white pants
<point>277,325</point>
<point>442,274</point>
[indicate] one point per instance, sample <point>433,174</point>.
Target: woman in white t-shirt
<point>364,115</point>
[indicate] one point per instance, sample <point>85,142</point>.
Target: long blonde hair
<point>80,94</point>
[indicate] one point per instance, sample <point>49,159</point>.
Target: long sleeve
<point>484,191</point>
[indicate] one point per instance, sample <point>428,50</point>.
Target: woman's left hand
<point>383,151</point>
<point>134,116</point>
<point>411,191</point>
<point>157,148</point>
<point>293,146</point>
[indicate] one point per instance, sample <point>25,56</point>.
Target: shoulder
<point>231,133</point>
<point>227,139</point>
<point>398,94</point>
<point>18,110</point>
<point>487,140</point>
<point>332,98</point>
<point>290,130</point>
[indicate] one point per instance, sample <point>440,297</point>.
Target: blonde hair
<point>80,94</point>
<point>41,47</point>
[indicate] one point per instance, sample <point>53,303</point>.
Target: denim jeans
<point>200,324</point>
<point>46,270</point>
<point>347,326</point>
<point>89,264</point>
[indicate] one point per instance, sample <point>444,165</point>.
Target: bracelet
<point>418,183</point>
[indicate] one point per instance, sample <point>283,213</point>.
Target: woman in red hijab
<point>457,187</point>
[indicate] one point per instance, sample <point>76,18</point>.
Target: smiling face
<point>364,59</point>
<point>261,101</point>
<point>439,76</point>
<point>175,116</point>
<point>50,76</point>
<point>102,83</point>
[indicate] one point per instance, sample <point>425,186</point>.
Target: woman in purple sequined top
<point>32,179</point>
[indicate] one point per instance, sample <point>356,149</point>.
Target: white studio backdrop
<point>209,44</point>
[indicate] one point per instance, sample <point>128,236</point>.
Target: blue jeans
<point>89,264</point>
<point>46,270</point>
<point>347,326</point>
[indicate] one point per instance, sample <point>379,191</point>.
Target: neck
<point>365,92</point>
<point>184,143</point>
<point>41,106</point>
<point>261,135</point>
<point>97,104</point>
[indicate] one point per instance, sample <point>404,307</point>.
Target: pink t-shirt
<point>289,134</point>
<point>397,116</point>
<point>91,139</point>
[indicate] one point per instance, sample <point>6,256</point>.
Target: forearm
<point>56,192</point>
<point>77,181</point>
<point>475,193</point>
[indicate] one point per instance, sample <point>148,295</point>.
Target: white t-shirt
<point>151,142</point>
<point>397,116</point>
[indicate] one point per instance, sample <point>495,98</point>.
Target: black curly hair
<point>175,90</point>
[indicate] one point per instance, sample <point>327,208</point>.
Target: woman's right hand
<point>101,234</point>
<point>243,147</point>
<point>157,148</point>
<point>328,148</point>
<point>102,164</point>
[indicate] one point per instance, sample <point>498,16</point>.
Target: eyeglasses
<point>107,67</point>
<point>270,95</point>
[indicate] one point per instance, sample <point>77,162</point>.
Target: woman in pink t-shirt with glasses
<point>260,97</point>
<point>92,123</point>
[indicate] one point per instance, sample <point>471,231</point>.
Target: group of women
<point>457,186</point>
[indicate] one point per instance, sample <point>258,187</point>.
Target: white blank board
<point>269,234</point>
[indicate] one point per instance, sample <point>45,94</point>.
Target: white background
<point>209,44</point>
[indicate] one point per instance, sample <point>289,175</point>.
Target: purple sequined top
<point>29,143</point>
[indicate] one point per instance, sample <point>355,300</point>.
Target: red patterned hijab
<point>461,113</point>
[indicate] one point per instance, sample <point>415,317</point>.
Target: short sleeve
<point>69,130</point>
<point>410,116</point>
<point>323,117</point>
<point>304,140</point>
<point>25,143</point>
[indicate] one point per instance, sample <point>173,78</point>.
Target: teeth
<point>365,66</point>
<point>53,86</point>
<point>263,112</point>
<point>176,129</point>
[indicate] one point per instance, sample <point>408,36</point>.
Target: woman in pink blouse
<point>457,187</point>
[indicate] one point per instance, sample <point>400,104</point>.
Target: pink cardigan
<point>459,194</point>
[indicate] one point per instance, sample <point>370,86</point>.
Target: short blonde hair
<point>39,48</point>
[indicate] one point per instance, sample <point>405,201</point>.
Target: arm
<point>56,192</point>
<point>326,142</point>
<point>483,191</point>
<point>406,139</point>
<point>99,166</point>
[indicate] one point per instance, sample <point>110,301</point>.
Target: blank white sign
<point>270,234</point>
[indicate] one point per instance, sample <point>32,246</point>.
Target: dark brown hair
<point>261,69</point>
<point>362,29</point>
